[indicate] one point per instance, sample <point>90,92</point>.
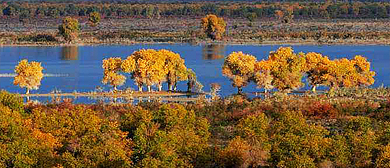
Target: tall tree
<point>176,69</point>
<point>287,69</point>
<point>213,26</point>
<point>317,67</point>
<point>239,68</point>
<point>28,75</point>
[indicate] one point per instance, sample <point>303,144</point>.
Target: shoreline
<point>264,43</point>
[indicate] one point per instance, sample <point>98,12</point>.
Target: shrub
<point>168,137</point>
<point>254,130</point>
<point>384,157</point>
<point>360,139</point>
<point>294,143</point>
<point>86,140</point>
<point>236,154</point>
<point>13,101</point>
<point>21,144</point>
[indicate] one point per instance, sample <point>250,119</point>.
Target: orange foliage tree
<point>22,144</point>
<point>317,67</point>
<point>239,68</point>
<point>28,75</point>
<point>176,69</point>
<point>112,67</point>
<point>287,68</point>
<point>213,26</point>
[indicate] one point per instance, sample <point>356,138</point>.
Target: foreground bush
<point>85,139</point>
<point>168,137</point>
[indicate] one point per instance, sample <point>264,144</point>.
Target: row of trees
<point>285,69</point>
<point>149,67</point>
<point>227,9</point>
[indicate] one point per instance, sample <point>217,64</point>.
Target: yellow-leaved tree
<point>112,67</point>
<point>365,76</point>
<point>213,26</point>
<point>149,68</point>
<point>263,77</point>
<point>175,67</point>
<point>239,68</point>
<point>287,69</point>
<point>317,67</point>
<point>28,75</point>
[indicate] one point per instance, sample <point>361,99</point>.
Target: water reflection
<point>69,53</point>
<point>213,51</point>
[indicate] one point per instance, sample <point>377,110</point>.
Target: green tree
<point>94,18</point>
<point>69,29</point>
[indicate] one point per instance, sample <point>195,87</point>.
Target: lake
<point>78,68</point>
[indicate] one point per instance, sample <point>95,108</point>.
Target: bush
<point>254,130</point>
<point>13,101</point>
<point>86,139</point>
<point>236,154</point>
<point>21,144</point>
<point>384,157</point>
<point>361,140</point>
<point>296,143</point>
<point>168,137</point>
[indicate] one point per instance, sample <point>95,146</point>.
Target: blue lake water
<point>79,68</point>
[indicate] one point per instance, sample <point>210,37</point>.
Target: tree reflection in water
<point>213,51</point>
<point>69,53</point>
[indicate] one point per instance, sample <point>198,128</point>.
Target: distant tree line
<point>250,10</point>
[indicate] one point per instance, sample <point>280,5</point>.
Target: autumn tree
<point>175,67</point>
<point>148,68</point>
<point>94,18</point>
<point>28,75</point>
<point>213,26</point>
<point>112,67</point>
<point>263,77</point>
<point>69,28</point>
<point>287,68</point>
<point>239,68</point>
<point>364,75</point>
<point>317,67</point>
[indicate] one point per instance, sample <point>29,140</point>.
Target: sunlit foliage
<point>287,68</point>
<point>317,67</point>
<point>239,68</point>
<point>112,67</point>
<point>22,144</point>
<point>213,26</point>
<point>175,67</point>
<point>170,136</point>
<point>85,138</point>
<point>69,28</point>
<point>28,75</point>
<point>296,143</point>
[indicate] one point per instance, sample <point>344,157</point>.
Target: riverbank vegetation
<point>246,22</point>
<point>331,130</point>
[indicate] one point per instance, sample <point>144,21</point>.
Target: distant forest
<point>154,9</point>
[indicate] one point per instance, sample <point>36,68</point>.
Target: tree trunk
<point>313,89</point>
<point>159,87</point>
<point>149,88</point>
<point>115,89</point>
<point>175,86</point>
<point>239,90</point>
<point>27,91</point>
<point>140,88</point>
